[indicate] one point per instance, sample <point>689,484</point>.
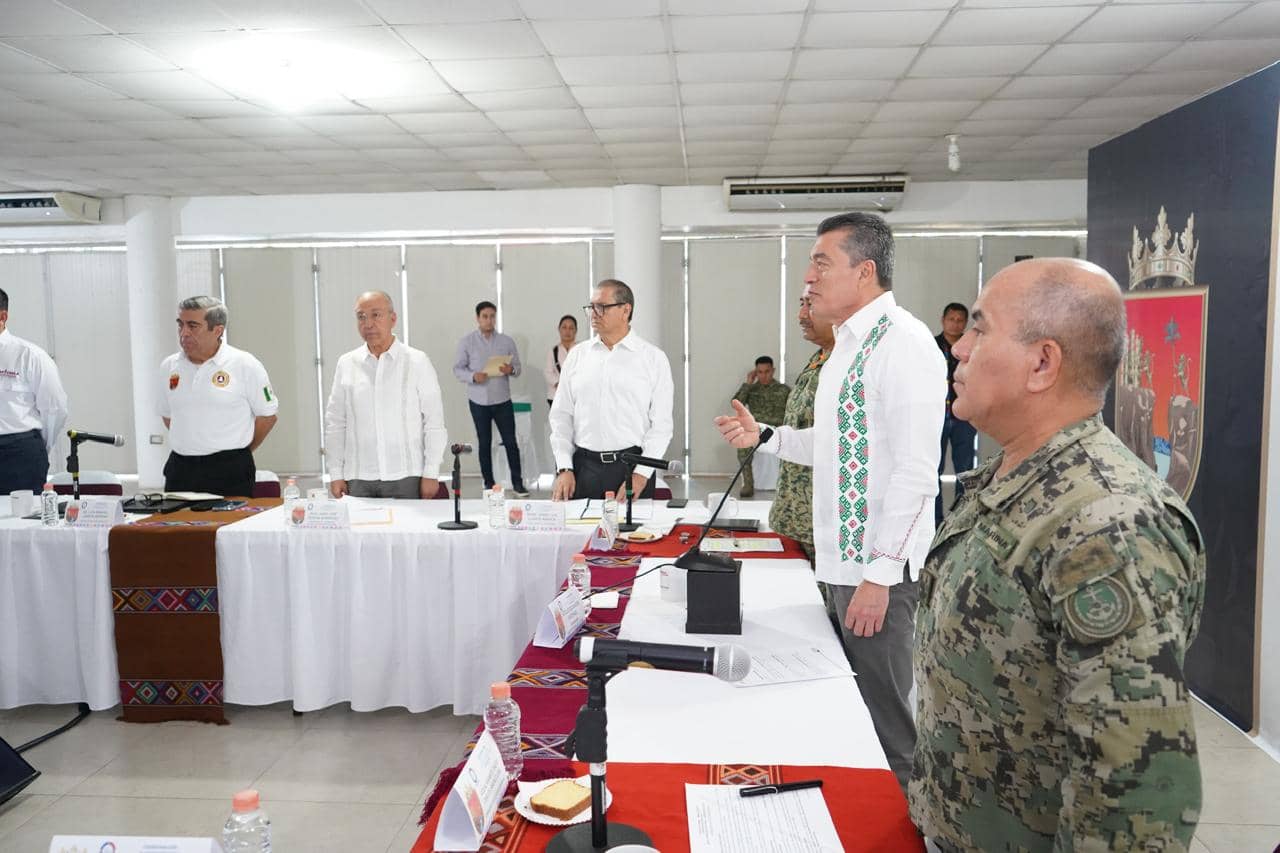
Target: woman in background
<point>559,352</point>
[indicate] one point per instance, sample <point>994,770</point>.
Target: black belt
<point>606,457</point>
<point>20,437</point>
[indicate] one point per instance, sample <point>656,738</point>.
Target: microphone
<point>80,435</point>
<point>673,466</point>
<point>694,556</point>
<point>460,448</point>
<point>728,663</point>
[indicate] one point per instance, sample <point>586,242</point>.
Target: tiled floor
<point>342,781</point>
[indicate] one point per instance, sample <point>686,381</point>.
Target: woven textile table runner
<point>164,594</point>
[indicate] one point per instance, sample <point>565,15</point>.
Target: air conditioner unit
<point>49,209</point>
<point>823,192</point>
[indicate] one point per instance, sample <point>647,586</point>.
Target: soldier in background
<point>767,400</point>
<point>1058,599</point>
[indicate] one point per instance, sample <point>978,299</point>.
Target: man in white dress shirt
<point>384,432</point>
<point>615,395</point>
<point>33,409</point>
<point>874,451</point>
<point>217,403</point>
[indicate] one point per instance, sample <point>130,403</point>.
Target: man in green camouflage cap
<point>1058,599</point>
<point>767,400</point>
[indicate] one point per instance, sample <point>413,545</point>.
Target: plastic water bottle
<point>49,506</point>
<point>610,511</point>
<point>291,490</point>
<point>497,507</point>
<point>248,828</point>
<point>502,721</point>
<point>580,574</point>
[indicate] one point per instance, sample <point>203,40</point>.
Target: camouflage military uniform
<point>792,510</point>
<point>767,403</point>
<point>1056,606</point>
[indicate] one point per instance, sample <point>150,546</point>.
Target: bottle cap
<point>291,482</point>
<point>579,558</point>
<point>500,690</point>
<point>497,489</point>
<point>245,801</point>
<point>48,487</point>
<point>610,495</point>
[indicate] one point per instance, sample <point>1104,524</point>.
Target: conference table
<point>396,614</point>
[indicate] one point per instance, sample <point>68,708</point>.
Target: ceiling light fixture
<point>286,73</point>
<point>953,152</point>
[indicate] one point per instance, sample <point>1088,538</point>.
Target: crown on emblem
<point>1167,256</point>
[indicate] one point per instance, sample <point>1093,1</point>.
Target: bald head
<point>376,320</point>
<point>1076,304</point>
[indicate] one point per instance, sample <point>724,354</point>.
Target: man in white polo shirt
<point>217,403</point>
<point>33,409</point>
<point>384,432</point>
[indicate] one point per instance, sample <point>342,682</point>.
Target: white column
<point>637,253</point>
<point>153,274</point>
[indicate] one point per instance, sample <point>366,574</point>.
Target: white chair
<point>91,483</point>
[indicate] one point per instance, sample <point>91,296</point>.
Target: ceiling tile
<point>1000,26</point>
<point>729,94</point>
<point>584,177</point>
<point>902,145</point>
<point>209,108</point>
<point>1026,108</point>
<point>538,119</point>
<point>524,99</point>
<point>820,161</point>
<point>736,146</point>
<point>626,150</point>
<point>178,128</point>
<point>1132,106</point>
<point>498,74</point>
<point>486,152</point>
<point>810,130</point>
<point>752,114</point>
<point>162,16</point>
<point>1261,20</point>
<point>802,114</point>
<point>442,139</point>
<point>414,78</point>
<point>939,88</point>
<point>444,11</point>
<point>728,33</point>
<point>924,110</point>
<point>1157,22</point>
<point>651,176</point>
<point>494,40</point>
<point>345,125</point>
<point>1072,86</point>
<point>726,160</point>
<point>1084,126</point>
<point>312,141</point>
<point>76,130</point>
<point>553,137</point>
<point>256,126</point>
<point>713,132</point>
<point>836,91</point>
<point>614,70</point>
<point>21,111</point>
<point>590,9</point>
<point>830,147</point>
<point>53,87</point>
<point>1111,58</point>
<point>43,18</point>
<point>868,63</point>
<point>659,95</point>
<point>974,61</point>
<point>1075,141</point>
<point>1236,54</point>
<point>13,60</point>
<point>729,7</point>
<point>999,127</point>
<point>602,38</point>
<point>872,29</point>
<point>732,67</point>
<point>298,14</point>
<point>164,85</point>
<point>632,116</point>
<point>117,110</point>
<point>639,134</point>
<point>91,53</point>
<point>416,103</point>
<point>549,152</point>
<point>472,122</point>
<point>1190,83</point>
<point>890,129</point>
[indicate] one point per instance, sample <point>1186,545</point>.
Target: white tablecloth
<point>407,615</point>
<point>57,635</point>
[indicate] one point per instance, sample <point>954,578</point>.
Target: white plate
<point>528,789</point>
<point>640,537</point>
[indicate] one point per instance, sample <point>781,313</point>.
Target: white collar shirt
<point>905,378</point>
<point>212,406</point>
<point>385,416</point>
<point>610,399</point>
<point>31,392</point>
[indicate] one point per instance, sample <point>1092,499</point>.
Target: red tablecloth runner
<point>671,546</point>
<point>867,806</point>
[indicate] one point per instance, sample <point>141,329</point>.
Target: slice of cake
<point>561,800</point>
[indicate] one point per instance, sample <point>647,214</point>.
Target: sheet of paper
<point>474,799</point>
<point>191,496</point>
<point>742,543</point>
<point>496,361</point>
<point>372,516</point>
<point>800,663</point>
<point>605,600</point>
<point>723,821</point>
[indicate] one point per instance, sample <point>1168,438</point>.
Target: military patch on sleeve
<point>1100,610</point>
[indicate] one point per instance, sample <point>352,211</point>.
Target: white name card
<point>535,515</point>
<point>606,533</point>
<point>95,512</point>
<point>131,844</point>
<point>560,622</point>
<point>474,799</point>
<point>317,515</point>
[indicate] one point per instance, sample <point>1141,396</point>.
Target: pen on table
<point>760,790</point>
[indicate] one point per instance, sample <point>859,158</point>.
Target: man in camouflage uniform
<point>1058,599</point>
<point>767,400</point>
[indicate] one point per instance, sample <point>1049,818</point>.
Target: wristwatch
<point>560,471</point>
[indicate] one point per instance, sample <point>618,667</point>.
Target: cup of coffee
<point>22,502</point>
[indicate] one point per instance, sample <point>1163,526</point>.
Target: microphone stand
<point>629,525</point>
<point>457,523</point>
<point>73,468</point>
<point>589,742</point>
<point>694,558</point>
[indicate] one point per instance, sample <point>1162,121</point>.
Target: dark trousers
<point>960,434</point>
<point>24,462</point>
<point>408,488</point>
<point>504,415</point>
<point>882,663</point>
<point>229,473</point>
<point>593,477</point>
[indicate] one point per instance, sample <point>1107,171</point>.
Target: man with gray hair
<point>1058,599</point>
<point>384,432</point>
<point>217,403</point>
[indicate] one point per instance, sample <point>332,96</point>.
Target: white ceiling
<point>120,96</point>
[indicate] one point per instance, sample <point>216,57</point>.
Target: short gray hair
<point>867,237</point>
<point>1087,322</point>
<point>621,293</point>
<point>215,313</point>
<point>387,296</point>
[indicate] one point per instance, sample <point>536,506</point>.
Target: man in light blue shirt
<point>490,395</point>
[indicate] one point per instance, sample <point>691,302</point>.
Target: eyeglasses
<point>597,309</point>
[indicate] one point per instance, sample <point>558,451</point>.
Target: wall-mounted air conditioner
<point>823,192</point>
<point>49,209</point>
